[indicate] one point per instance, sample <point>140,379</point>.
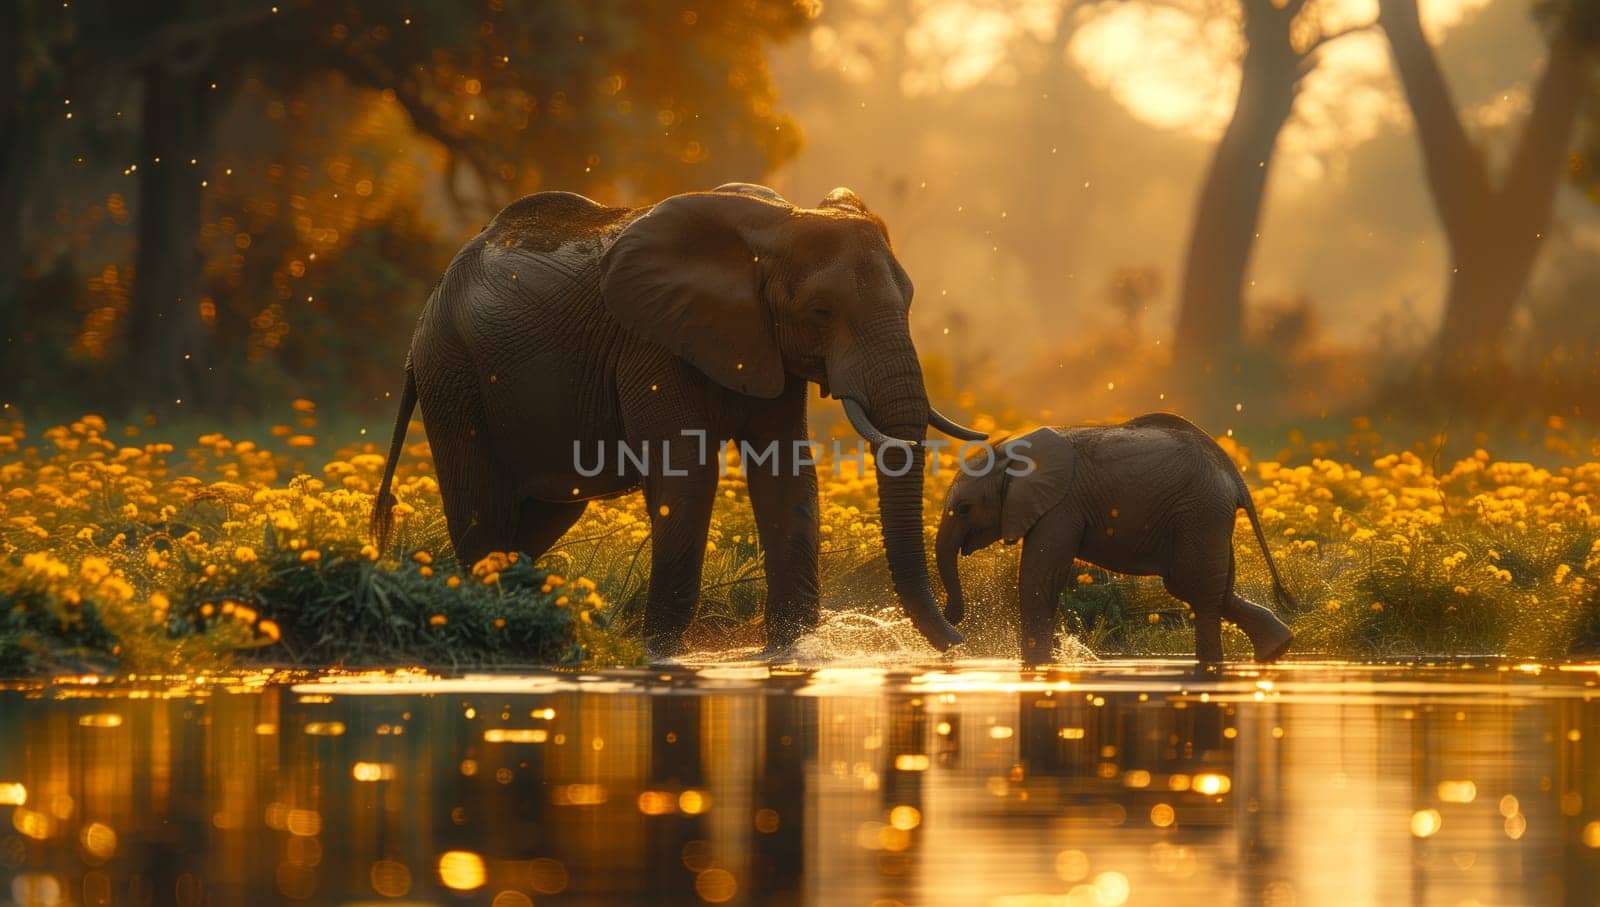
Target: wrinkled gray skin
<point>1154,496</point>
<point>565,321</point>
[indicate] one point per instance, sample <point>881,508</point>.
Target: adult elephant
<point>567,326</point>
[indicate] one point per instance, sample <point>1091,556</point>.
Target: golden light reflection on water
<point>1120,784</point>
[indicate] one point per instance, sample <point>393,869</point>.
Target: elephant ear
<point>1050,461</point>
<point>687,276</point>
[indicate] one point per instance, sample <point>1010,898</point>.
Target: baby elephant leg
<point>1269,635</point>
<point>1202,578</point>
<point>1047,555</point>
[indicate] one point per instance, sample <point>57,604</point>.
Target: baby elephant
<point>1154,496</point>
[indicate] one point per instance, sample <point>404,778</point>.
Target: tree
<point>1494,227</point>
<point>615,98</point>
<point>1277,57</point>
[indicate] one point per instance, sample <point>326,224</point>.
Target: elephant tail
<point>1279,592</point>
<point>383,504</point>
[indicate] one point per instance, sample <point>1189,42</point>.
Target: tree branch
<point>1329,37</point>
<point>1309,58</point>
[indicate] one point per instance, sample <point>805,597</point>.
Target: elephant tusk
<point>865,428</point>
<point>952,428</point>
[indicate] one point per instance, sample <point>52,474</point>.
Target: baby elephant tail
<point>383,504</point>
<point>1279,593</point>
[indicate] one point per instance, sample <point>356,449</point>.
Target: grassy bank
<point>175,555</point>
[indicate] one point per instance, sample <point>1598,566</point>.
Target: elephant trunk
<point>946,551</point>
<point>902,406</point>
<point>900,508</point>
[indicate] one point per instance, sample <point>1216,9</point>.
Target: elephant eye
<point>821,312</point>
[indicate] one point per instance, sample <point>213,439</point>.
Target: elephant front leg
<point>787,519</point>
<point>680,517</point>
<point>1047,560</point>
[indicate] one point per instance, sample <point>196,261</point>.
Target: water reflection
<point>1120,784</point>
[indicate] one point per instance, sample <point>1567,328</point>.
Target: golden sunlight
<point>1176,66</point>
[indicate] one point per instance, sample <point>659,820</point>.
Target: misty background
<point>1038,162</point>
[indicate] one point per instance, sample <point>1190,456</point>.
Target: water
<point>1115,783</point>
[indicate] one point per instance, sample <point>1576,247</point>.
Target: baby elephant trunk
<point>947,550</point>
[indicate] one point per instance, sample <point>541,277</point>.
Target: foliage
<point>135,555</point>
<point>119,554</point>
<point>319,135</point>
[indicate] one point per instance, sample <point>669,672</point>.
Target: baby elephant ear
<point>687,276</point>
<point>1041,465</point>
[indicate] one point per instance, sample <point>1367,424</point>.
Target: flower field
<point>175,556</point>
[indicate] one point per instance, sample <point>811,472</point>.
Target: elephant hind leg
<point>1268,635</point>
<point>1202,577</point>
<point>480,504</point>
<point>480,507</point>
<point>541,523</point>
<point>481,521</point>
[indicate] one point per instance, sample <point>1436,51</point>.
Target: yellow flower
<point>117,588</point>
<point>453,582</point>
<point>438,620</point>
<point>493,562</point>
<point>270,630</point>
<point>425,571</point>
<point>94,569</point>
<point>310,556</point>
<point>422,557</point>
<point>244,554</point>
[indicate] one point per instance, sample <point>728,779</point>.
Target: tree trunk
<point>14,158</point>
<point>1211,303</point>
<point>1494,233</point>
<point>16,155</point>
<point>167,341</point>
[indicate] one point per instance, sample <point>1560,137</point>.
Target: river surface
<point>958,783</point>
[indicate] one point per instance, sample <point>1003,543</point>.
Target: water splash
<point>882,638</point>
